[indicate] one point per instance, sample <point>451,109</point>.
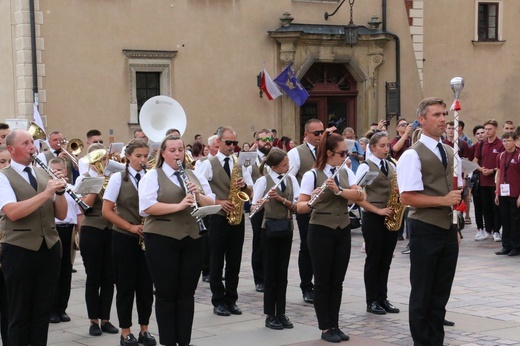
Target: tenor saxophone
<point>394,222</point>
<point>236,196</point>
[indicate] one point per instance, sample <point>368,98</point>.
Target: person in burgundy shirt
<point>508,195</point>
<point>486,158</point>
<point>403,140</point>
<point>450,134</point>
<point>480,134</point>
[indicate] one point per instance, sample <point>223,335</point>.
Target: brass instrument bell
<point>36,131</point>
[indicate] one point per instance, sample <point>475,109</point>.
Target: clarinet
<point>186,180</point>
<point>84,207</point>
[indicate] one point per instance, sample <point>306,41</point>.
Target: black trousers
<point>96,251</point>
<point>433,259</point>
<point>277,253</point>
<point>379,246</point>
<point>226,244</point>
<point>330,255</point>
<point>257,262</point>
<point>132,277</point>
<point>477,206</point>
<point>30,278</point>
<point>304,258</point>
<point>61,298</point>
<point>510,216</point>
<point>490,209</point>
<point>206,263</point>
<point>175,267</point>
<point>4,311</point>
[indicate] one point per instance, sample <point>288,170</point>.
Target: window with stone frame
<point>488,21</point>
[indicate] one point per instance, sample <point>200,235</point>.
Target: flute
<point>323,186</point>
<point>266,196</point>
<point>84,207</point>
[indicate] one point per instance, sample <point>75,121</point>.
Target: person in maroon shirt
<point>403,140</point>
<point>486,158</point>
<point>450,134</point>
<point>508,195</point>
<point>480,135</point>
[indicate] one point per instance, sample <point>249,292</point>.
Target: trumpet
<point>323,186</point>
<point>84,207</point>
<point>186,180</point>
<point>265,198</point>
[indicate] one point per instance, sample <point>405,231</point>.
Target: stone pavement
<point>484,305</point>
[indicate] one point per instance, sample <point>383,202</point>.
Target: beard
<point>265,149</point>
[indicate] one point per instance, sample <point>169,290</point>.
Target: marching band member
<point>226,240</point>
<point>130,267</point>
<point>5,160</point>
<point>174,248</point>
<point>277,250</point>
<point>55,142</point>
<point>96,251</point>
<point>379,241</point>
<point>329,238</point>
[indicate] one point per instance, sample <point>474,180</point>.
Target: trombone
<point>72,148</point>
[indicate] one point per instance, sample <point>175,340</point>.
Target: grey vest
<point>95,218</point>
<point>255,171</point>
<point>174,225</point>
<point>306,161</point>
<point>275,209</point>
<point>30,231</point>
<point>331,211</point>
<point>437,181</point>
<point>379,191</point>
<point>128,205</point>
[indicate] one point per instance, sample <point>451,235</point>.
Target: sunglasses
<point>265,139</point>
<point>317,133</point>
<point>100,142</point>
<point>228,142</point>
<point>340,153</point>
<point>403,124</point>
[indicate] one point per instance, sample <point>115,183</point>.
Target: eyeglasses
<point>265,139</point>
<point>317,133</point>
<point>402,125</point>
<point>228,142</point>
<point>341,153</point>
<point>100,142</point>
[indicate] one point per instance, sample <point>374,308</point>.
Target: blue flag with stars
<point>292,86</point>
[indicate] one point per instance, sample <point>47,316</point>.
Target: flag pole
<point>457,84</point>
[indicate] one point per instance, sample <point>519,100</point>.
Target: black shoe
<point>448,323</point>
<point>64,317</point>
<point>129,340</point>
<point>389,307</point>
<point>205,278</point>
<point>147,339</point>
<point>94,329</point>
<point>109,328</point>
<point>343,336</point>
<point>503,251</point>
<point>376,308</point>
<point>220,310</point>
<point>259,287</point>
<point>308,297</point>
<point>234,309</point>
<point>330,336</point>
<point>55,318</point>
<point>406,250</point>
<point>74,270</point>
<point>400,237</point>
<point>272,322</point>
<point>514,253</point>
<point>284,320</point>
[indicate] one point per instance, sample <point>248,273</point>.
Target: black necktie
<point>57,152</point>
<point>315,152</point>
<point>336,179</point>
<point>32,179</point>
<point>282,184</point>
<point>443,155</point>
<point>383,168</point>
<point>181,182</point>
<point>137,179</point>
<point>226,167</point>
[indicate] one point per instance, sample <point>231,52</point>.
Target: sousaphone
<point>159,114</point>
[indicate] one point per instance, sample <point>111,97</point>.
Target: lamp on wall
<point>351,30</point>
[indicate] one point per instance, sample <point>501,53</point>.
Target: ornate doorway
<point>333,96</point>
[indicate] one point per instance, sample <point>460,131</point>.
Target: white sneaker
<point>481,235</point>
<point>497,237</point>
<point>363,248</point>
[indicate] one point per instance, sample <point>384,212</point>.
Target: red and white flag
<point>269,87</point>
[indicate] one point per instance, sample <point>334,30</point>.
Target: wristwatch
<point>339,191</point>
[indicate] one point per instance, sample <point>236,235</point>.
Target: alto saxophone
<point>394,223</point>
<point>236,196</point>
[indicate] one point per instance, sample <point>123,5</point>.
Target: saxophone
<point>394,223</point>
<point>236,197</point>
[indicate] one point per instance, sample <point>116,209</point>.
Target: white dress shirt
<point>149,187</point>
<point>261,184</point>
<point>114,184</point>
<point>308,179</point>
<point>205,170</point>
<point>363,168</point>
<point>73,211</point>
<point>6,191</point>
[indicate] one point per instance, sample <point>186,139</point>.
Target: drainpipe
<point>33,52</point>
<point>397,58</point>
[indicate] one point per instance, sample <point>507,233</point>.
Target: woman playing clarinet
<point>131,273</point>
<point>174,248</point>
<point>329,237</point>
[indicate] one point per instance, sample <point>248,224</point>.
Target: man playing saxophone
<point>379,240</point>
<point>226,228</point>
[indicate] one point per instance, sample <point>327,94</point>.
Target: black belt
<point>65,225</point>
